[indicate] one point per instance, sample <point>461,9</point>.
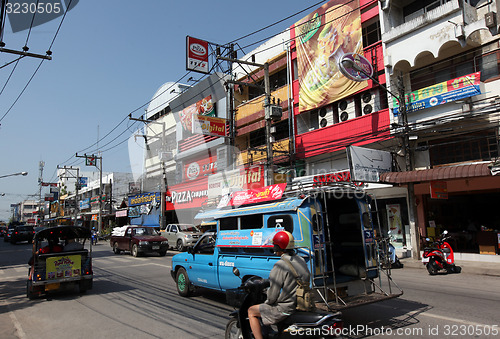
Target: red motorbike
<point>440,256</point>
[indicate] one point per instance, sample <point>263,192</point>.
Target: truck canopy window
<point>282,220</point>
<point>252,221</point>
<point>227,224</point>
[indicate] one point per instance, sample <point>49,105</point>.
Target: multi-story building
<point>445,54</point>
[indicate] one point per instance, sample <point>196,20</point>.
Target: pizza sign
<point>196,55</point>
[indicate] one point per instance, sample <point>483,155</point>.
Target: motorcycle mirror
<point>236,271</point>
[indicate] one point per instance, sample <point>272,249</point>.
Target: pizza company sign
<point>200,168</point>
<point>197,55</point>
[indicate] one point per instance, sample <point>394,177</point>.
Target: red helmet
<point>284,240</point>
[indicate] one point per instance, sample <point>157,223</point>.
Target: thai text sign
<point>268,193</point>
<point>246,238</point>
<point>209,125</point>
<point>442,93</point>
<point>63,267</point>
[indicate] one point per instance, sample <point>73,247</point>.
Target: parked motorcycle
<point>315,324</point>
<point>440,256</point>
<point>388,254</point>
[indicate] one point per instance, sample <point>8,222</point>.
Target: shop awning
<point>440,173</point>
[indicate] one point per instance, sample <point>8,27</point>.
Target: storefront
<point>460,199</point>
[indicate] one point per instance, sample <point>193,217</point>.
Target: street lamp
<point>11,175</point>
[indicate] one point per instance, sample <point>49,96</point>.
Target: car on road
<point>138,240</point>
<point>22,233</point>
<point>181,236</point>
<point>3,230</point>
<point>7,235</point>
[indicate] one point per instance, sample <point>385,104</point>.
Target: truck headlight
<point>143,242</point>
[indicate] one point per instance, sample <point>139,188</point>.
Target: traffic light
<point>90,160</point>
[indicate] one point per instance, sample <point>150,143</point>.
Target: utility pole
<point>91,160</point>
<point>346,63</point>
<point>77,184</point>
<point>41,164</point>
<point>272,112</point>
<point>163,184</point>
<point>414,234</point>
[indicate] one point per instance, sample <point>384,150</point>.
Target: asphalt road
<point>136,298</point>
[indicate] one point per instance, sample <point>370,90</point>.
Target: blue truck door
<point>203,268</point>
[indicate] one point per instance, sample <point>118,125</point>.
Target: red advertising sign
<point>200,168</point>
<point>187,195</point>
<point>196,55</point>
<point>268,193</point>
<point>329,178</point>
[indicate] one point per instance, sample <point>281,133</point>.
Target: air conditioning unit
<point>347,109</point>
<point>370,102</point>
<point>325,116</point>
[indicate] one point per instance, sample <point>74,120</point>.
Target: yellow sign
<point>65,266</point>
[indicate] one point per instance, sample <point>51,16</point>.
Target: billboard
<point>441,93</point>
<point>322,39</point>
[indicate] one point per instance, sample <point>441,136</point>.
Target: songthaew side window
<point>227,224</point>
<point>249,222</point>
<point>283,220</point>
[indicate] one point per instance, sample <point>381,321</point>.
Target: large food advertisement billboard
<point>322,38</point>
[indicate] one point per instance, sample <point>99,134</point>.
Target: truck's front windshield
<point>188,228</point>
<point>145,231</point>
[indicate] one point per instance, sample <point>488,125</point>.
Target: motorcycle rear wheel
<point>232,330</point>
<point>432,267</point>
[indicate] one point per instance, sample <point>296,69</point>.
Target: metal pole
<point>414,234</point>
<point>99,226</point>
<point>267,103</point>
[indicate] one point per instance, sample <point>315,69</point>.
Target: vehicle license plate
<point>51,287</point>
<point>424,260</point>
<point>156,247</point>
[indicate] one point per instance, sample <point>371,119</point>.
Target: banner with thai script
<point>263,237</point>
<point>268,193</point>
<point>63,267</point>
<point>322,38</point>
<point>442,93</point>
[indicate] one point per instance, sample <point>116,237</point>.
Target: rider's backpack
<point>305,296</point>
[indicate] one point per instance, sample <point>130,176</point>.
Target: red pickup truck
<point>139,240</point>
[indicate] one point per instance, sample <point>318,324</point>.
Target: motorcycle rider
<point>281,295</point>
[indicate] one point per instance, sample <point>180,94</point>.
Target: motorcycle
<point>315,324</point>
<point>388,254</point>
<point>94,237</point>
<point>440,256</point>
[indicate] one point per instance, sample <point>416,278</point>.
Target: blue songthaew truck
<point>333,227</point>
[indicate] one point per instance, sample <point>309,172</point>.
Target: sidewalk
<point>468,267</point>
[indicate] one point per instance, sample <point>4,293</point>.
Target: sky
<point>108,60</point>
